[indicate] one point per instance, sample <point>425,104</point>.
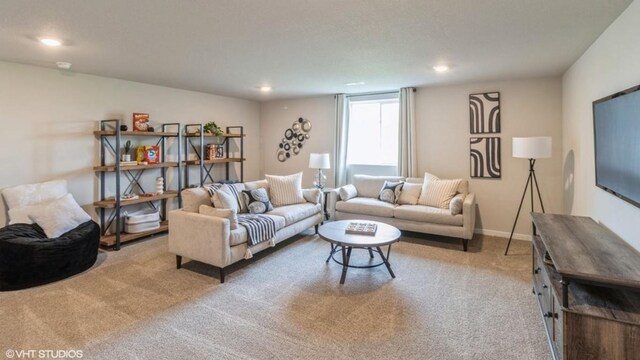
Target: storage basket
<point>142,221</point>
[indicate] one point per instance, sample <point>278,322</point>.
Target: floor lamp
<point>531,148</point>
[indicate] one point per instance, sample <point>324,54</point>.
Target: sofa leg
<point>178,261</point>
<point>221,275</point>
<point>317,228</point>
<point>464,244</point>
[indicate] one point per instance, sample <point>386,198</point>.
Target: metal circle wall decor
<point>294,138</point>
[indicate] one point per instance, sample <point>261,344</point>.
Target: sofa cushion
<point>192,198</point>
<point>239,235</point>
<point>285,190</point>
<point>229,214</point>
<point>294,213</point>
<point>410,193</point>
<point>427,214</point>
<point>348,192</point>
<point>370,186</point>
<point>366,206</point>
<point>438,193</point>
<point>390,191</point>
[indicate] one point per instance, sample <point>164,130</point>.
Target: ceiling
<point>304,47</point>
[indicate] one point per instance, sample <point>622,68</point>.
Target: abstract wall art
<point>484,113</point>
<point>294,139</point>
<point>485,157</point>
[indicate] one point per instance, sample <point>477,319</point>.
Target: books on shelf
<point>361,228</point>
<point>128,163</point>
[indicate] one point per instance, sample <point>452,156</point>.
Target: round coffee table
<point>334,233</point>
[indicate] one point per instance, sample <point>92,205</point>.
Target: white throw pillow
<point>410,194</point>
<point>230,214</point>
<point>223,199</point>
<point>21,196</point>
<point>21,215</point>
<point>285,190</point>
<point>59,216</point>
<point>456,204</point>
<point>438,193</point>
<point>348,192</point>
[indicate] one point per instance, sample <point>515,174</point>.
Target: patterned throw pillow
<point>257,201</point>
<point>286,190</point>
<point>390,191</point>
<point>438,193</point>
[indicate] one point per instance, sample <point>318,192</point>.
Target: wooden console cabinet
<point>587,281</point>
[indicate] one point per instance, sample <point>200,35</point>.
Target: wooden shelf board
<point>110,240</point>
<point>111,203</point>
<point>227,135</point>
<point>135,133</point>
<point>215,161</point>
<point>135,167</point>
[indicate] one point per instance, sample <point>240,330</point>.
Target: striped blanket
<point>259,227</point>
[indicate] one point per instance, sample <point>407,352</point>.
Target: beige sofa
<point>210,240</point>
<point>418,218</point>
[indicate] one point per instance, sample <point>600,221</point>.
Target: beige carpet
<point>288,304</point>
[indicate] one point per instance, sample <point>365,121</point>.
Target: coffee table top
<point>333,232</point>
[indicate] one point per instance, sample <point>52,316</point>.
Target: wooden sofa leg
<point>317,228</point>
<point>178,261</point>
<point>221,275</point>
<point>464,244</point>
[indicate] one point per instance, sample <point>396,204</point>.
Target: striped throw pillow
<point>438,193</point>
<point>285,190</point>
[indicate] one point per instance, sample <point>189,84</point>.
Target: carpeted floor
<point>288,304</point>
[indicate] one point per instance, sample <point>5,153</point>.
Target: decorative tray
<point>361,228</point>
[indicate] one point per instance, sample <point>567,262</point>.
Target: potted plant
<point>215,130</point>
<point>126,156</point>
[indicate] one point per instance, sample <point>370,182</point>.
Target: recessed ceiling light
<point>63,65</point>
<point>440,68</point>
<point>50,41</point>
<point>355,83</point>
<point>265,88</point>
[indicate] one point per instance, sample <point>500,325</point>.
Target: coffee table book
<point>361,228</point>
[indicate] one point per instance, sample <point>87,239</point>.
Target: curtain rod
<point>376,93</point>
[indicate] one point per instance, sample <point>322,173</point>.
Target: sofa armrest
<point>200,237</point>
<point>313,196</point>
<point>469,215</point>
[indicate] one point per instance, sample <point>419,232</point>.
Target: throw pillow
<point>59,216</point>
<point>390,191</point>
<point>410,194</point>
<point>438,193</point>
<point>224,197</point>
<point>348,192</point>
<point>230,214</point>
<point>20,198</point>
<point>286,190</point>
<point>257,201</point>
<point>456,204</point>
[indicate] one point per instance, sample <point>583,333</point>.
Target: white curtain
<point>342,132</point>
<point>407,164</point>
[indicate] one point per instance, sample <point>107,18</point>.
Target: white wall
<point>48,117</point>
<point>610,65</point>
<point>277,116</point>
<point>528,107</point>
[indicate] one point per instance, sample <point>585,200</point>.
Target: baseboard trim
<point>502,234</point>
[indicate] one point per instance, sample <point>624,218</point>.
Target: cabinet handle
<point>537,270</point>
<point>550,315</point>
<point>544,286</point>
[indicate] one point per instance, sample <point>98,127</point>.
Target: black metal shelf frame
<point>133,176</point>
<point>198,150</point>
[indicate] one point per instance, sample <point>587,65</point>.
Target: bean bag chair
<point>28,258</point>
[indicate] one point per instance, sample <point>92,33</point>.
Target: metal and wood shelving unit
<point>197,142</point>
<point>110,208</point>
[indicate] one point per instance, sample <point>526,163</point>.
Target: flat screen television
<point>616,126</point>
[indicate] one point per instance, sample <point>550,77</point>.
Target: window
<point>373,130</point>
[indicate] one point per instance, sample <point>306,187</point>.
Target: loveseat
<point>365,205</point>
<point>211,240</point>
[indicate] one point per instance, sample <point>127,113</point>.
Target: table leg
<point>345,264</point>
<point>386,262</point>
<point>330,253</point>
<point>370,252</point>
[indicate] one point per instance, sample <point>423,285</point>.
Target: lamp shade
<point>532,147</point>
<point>319,161</point>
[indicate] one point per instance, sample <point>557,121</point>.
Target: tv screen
<point>616,124</point>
